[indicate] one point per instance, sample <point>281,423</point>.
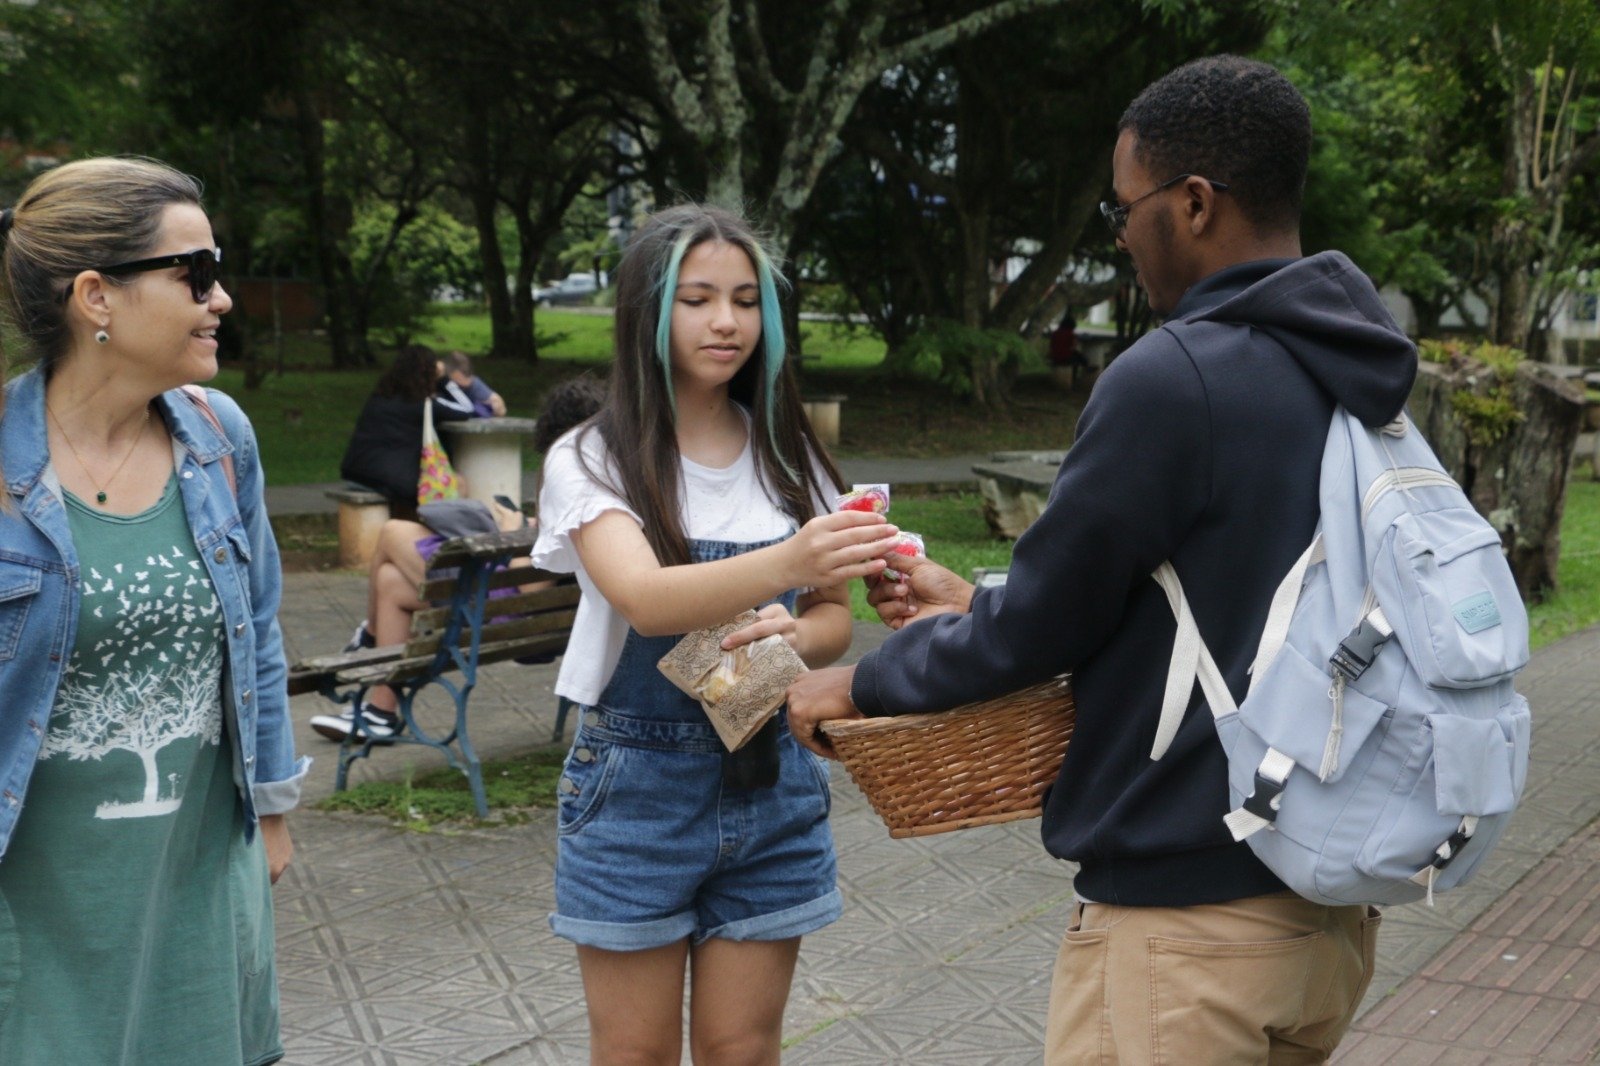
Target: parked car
<point>572,289</point>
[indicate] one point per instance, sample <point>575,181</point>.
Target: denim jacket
<point>39,594</point>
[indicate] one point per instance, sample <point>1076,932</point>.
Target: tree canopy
<point>924,163</point>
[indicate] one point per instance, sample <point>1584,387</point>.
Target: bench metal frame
<point>453,665</point>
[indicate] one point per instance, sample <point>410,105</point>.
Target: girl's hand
<point>831,549</point>
<point>775,620</point>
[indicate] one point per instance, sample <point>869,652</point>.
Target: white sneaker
<point>375,724</point>
<point>361,638</point>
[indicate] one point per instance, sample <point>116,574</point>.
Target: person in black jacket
<point>1202,445</point>
<point>385,451</point>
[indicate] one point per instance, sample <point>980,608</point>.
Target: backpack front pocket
<point>1459,767</point>
<point>1292,709</point>
<point>1445,586</point>
<point>1480,765</point>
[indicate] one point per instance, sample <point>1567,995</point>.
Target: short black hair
<point>1233,120</point>
<point>567,405</point>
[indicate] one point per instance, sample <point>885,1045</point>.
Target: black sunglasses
<point>204,266</point>
<point>1116,216</point>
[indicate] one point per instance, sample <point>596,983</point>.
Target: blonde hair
<point>80,216</point>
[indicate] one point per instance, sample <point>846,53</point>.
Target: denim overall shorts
<point>653,847</point>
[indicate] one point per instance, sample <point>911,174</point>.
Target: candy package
<point>873,499</point>
<point>905,544</point>
<point>739,689</point>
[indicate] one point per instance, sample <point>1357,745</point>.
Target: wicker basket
<point>976,765</point>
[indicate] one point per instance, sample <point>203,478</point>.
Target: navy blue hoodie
<point>1201,444</point>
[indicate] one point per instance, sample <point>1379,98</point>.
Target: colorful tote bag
<point>436,478</point>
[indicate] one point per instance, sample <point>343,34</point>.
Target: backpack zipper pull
<point>1330,751</point>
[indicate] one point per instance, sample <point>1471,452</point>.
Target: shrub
<point>980,364</point>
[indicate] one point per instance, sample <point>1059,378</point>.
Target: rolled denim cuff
<point>277,797</point>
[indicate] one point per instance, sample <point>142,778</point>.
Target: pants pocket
<point>1077,1028</point>
<point>1369,961</point>
<point>1216,1001</point>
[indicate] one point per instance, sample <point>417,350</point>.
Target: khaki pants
<point>1274,979</point>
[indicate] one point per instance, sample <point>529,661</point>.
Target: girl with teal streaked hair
<point>698,491</point>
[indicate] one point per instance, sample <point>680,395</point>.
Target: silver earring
<point>102,337</point>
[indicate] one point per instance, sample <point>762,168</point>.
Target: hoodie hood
<point>1328,316</point>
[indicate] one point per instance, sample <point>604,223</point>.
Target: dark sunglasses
<point>1116,215</point>
<point>204,266</point>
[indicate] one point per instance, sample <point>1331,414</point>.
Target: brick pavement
<point>403,947</point>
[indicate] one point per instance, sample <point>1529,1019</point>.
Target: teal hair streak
<point>772,350</point>
<point>669,291</point>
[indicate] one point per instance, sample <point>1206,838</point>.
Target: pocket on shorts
<point>586,778</point>
<point>819,773</point>
<point>1196,985</point>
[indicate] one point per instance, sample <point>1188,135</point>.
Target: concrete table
<point>487,452</point>
<point>1016,487</point>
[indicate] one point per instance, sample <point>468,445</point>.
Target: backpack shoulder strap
<point>197,396</point>
<point>1192,661</point>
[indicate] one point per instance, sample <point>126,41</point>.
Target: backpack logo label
<point>1476,613</point>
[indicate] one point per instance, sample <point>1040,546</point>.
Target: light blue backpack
<point>1381,749</point>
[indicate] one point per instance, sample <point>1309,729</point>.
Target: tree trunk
<point>530,243</point>
<point>1519,482</point>
<point>308,123</point>
<point>481,192</point>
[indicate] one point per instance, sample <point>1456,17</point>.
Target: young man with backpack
<point>1201,445</point>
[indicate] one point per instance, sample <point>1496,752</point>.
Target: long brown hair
<point>412,376</point>
<point>637,423</point>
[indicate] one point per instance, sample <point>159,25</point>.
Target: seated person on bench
<point>400,561</point>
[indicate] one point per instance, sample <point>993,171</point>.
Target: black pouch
<point>755,765</point>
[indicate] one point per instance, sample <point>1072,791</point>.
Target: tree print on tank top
<point>145,673</point>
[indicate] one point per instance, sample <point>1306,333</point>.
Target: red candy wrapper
<point>905,544</point>
<point>873,499</point>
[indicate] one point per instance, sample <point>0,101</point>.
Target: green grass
<point>1577,605</point>
<point>840,346</point>
<point>440,797</point>
<point>586,338</point>
<point>304,418</point>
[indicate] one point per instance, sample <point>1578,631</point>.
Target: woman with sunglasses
<point>146,759</point>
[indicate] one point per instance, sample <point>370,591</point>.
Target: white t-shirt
<point>727,503</point>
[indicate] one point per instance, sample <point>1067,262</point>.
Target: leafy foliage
<point>976,363</point>
<point>1488,415</point>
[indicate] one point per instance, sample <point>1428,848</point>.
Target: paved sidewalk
<point>402,947</point>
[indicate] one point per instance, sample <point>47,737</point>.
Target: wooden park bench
<point>448,643</point>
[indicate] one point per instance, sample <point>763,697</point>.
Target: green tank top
<point>135,922</point>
